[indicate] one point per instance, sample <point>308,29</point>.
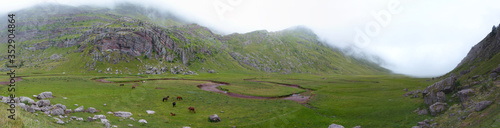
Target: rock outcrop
<point>430,93</point>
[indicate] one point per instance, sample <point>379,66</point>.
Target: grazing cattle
<point>165,98</point>
<point>173,104</point>
<point>122,84</point>
<point>172,114</point>
<point>191,109</point>
<point>133,87</point>
<point>179,98</point>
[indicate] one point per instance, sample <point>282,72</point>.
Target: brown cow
<point>172,114</point>
<point>165,98</point>
<point>191,109</point>
<point>133,87</point>
<point>179,98</point>
<point>122,84</point>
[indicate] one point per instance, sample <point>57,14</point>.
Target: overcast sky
<point>413,37</point>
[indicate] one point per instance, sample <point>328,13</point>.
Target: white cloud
<point>427,38</point>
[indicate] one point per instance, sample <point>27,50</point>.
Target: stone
<point>416,127</point>
<point>57,111</point>
<point>482,105</point>
<point>54,57</point>
<point>465,94</point>
<point>91,110</point>
<point>109,113</point>
<point>107,125</point>
<point>100,116</point>
<point>150,112</point>
<point>130,125</point>
<point>79,109</point>
<point>30,109</point>
<point>211,71</point>
<point>423,112</point>
<point>28,100</point>
<point>356,127</point>
<point>90,119</point>
<point>44,95</point>
<point>122,114</point>
<point>59,121</point>
<point>437,108</point>
<point>104,120</point>
<point>73,117</point>
<point>214,118</point>
<point>79,119</point>
<point>335,126</point>
<point>68,111</point>
<point>447,85</point>
<point>43,103</point>
<point>143,121</point>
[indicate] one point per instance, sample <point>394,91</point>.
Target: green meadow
<point>349,100</point>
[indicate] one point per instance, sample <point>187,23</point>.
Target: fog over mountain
<point>417,38</point>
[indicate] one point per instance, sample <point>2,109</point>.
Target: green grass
<point>371,101</point>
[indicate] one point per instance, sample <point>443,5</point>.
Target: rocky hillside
<point>134,40</point>
<point>468,96</point>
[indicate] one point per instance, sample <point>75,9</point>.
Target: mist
<point>422,38</point>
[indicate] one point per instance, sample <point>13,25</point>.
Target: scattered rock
<point>122,114</point>
<point>109,113</point>
<point>335,126</point>
<point>76,104</point>
<point>44,95</point>
<point>68,111</point>
<point>422,111</point>
<point>214,118</point>
<point>100,117</point>
<point>356,127</point>
<point>150,112</point>
<point>90,119</point>
<point>211,71</point>
<point>55,57</point>
<point>43,103</point>
<point>482,105</point>
<point>447,85</point>
<point>142,121</point>
<point>437,108</point>
<point>406,90</point>
<point>464,95</point>
<point>91,110</point>
<point>131,118</point>
<point>104,120</point>
<point>79,109</point>
<point>130,125</point>
<point>79,119</point>
<point>59,121</point>
<point>26,99</point>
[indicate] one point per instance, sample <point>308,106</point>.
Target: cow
<point>133,87</point>
<point>165,98</point>
<point>191,109</point>
<point>172,114</point>
<point>179,98</point>
<point>173,104</point>
<point>122,84</point>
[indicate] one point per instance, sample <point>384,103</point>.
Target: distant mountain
<point>131,39</point>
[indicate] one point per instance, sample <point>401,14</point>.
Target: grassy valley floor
<point>367,101</point>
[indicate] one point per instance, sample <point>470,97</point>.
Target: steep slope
<point>114,41</point>
<point>468,95</point>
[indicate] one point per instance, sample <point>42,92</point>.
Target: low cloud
<point>424,38</point>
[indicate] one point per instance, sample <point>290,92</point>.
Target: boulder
<point>440,97</point>
<point>104,120</point>
<point>100,116</point>
<point>44,95</point>
<point>90,119</point>
<point>91,110</point>
<point>447,85</point>
<point>423,112</point>
<point>79,119</point>
<point>143,121</point>
<point>30,109</point>
<point>437,108</point>
<point>497,69</point>
<point>59,121</point>
<point>23,99</point>
<point>57,111</point>
<point>122,114</point>
<point>211,71</point>
<point>79,109</point>
<point>68,111</point>
<point>22,105</point>
<point>150,112</point>
<point>43,103</point>
<point>482,105</point>
<point>465,94</point>
<point>214,118</point>
<point>335,126</point>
